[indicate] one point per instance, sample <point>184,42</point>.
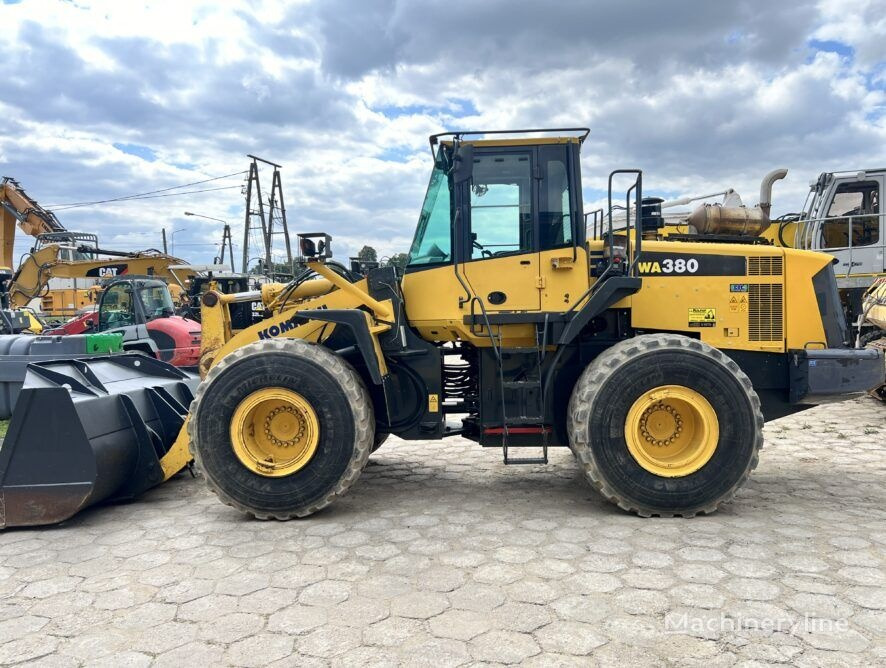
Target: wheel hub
<point>660,424</point>
<point>284,426</point>
<point>671,431</point>
<point>274,432</point>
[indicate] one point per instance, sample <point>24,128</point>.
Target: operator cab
<point>496,209</point>
<point>846,218</point>
<point>133,302</point>
<point>514,198</point>
<point>73,246</point>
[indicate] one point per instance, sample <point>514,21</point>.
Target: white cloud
<point>702,96</point>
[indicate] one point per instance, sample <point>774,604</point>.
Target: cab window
<point>116,307</point>
<point>853,211</point>
<point>433,237</point>
<point>554,217</point>
<point>156,301</point>
<point>501,205</point>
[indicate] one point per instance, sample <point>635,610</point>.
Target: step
<point>510,461</point>
<point>536,429</point>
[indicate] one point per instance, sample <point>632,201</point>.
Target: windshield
<point>156,301</point>
<point>433,239</point>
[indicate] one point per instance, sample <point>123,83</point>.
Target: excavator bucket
<point>90,430</point>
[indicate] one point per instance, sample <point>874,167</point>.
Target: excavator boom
<point>17,208</point>
<point>32,277</point>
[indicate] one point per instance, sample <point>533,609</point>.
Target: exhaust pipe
<point>766,189</point>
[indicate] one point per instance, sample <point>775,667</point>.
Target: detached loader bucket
<point>89,430</point>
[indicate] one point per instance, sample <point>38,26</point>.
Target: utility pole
<point>226,239</point>
<point>275,203</point>
<point>165,252</point>
<point>226,243</point>
<point>256,221</point>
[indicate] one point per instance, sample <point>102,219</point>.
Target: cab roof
<point>560,136</point>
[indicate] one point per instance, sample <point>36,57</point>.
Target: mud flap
<point>86,431</point>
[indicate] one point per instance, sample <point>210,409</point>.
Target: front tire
<point>281,428</point>
<point>665,425</point>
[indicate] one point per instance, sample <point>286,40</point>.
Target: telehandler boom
<point>655,361</point>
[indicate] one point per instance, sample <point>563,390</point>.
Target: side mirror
<point>463,167</point>
<point>89,323</point>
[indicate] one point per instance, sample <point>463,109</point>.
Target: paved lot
<point>442,556</point>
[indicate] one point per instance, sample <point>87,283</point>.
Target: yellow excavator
<point>655,360</point>
<point>17,208</point>
<point>77,256</point>
<point>60,253</point>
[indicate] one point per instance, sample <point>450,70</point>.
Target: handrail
<point>810,231</point>
<point>638,228</point>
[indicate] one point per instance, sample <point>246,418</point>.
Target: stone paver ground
<point>442,556</point>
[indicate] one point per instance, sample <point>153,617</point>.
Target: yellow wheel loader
<point>655,361</point>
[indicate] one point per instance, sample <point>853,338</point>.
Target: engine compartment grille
<point>765,312</point>
<point>765,266</point>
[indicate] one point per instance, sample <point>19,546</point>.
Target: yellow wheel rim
<point>672,431</point>
<point>274,432</point>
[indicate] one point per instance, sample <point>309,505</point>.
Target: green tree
<point>397,260</point>
<point>367,254</point>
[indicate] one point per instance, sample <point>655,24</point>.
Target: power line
<point>135,199</point>
<point>151,193</point>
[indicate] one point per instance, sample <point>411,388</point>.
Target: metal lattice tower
<point>268,224</point>
<point>226,244</point>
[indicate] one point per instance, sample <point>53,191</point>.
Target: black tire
<point>610,385</point>
<point>346,425</point>
<point>871,336</point>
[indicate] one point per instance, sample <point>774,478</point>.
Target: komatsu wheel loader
<point>655,361</point>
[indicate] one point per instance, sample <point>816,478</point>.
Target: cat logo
<point>108,271</point>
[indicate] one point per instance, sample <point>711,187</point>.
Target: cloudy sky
<point>106,99</point>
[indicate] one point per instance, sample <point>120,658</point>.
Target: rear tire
<point>605,436</point>
<point>343,432</point>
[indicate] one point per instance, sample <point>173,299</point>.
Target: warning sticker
<point>738,303</point>
<point>702,317</point>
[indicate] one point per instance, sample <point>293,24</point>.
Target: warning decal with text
<point>702,317</point>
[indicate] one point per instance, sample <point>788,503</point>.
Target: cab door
<point>119,311</point>
<point>500,259</point>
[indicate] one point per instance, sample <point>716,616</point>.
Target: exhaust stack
<point>766,188</point>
